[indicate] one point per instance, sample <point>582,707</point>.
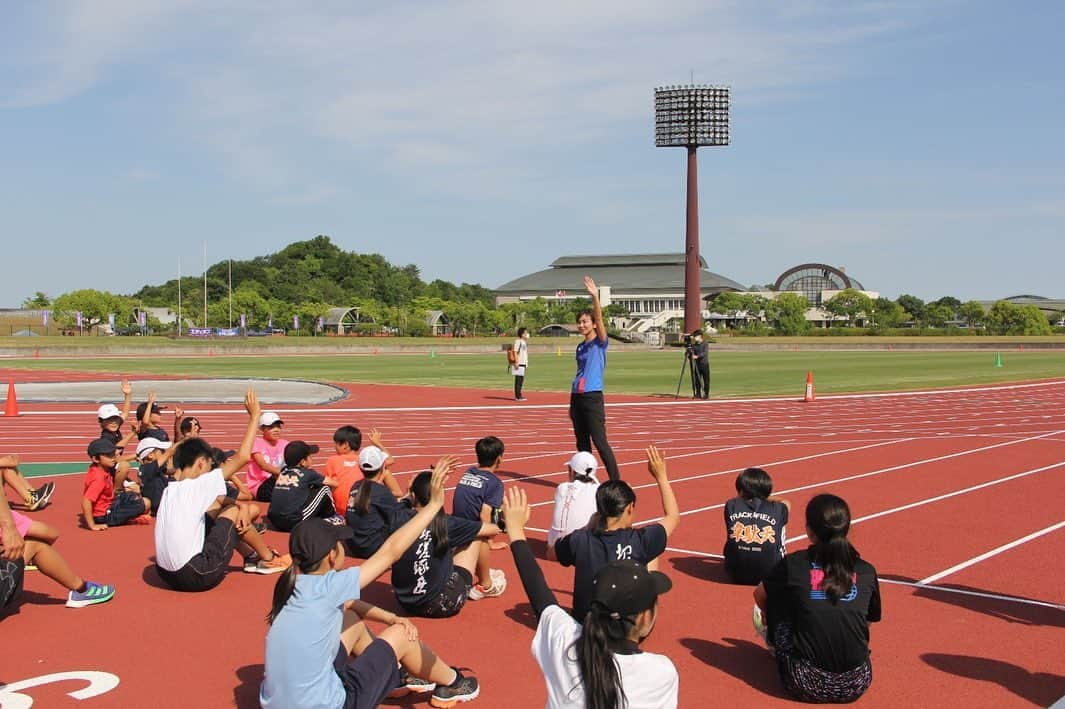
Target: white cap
<point>108,411</point>
<point>371,459</point>
<point>583,463</point>
<point>269,418</point>
<point>151,444</point>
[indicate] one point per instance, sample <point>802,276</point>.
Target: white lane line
<point>987,555</point>
<point>978,594</point>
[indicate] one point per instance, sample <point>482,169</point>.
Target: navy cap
<point>627,588</point>
<point>102,446</point>
<point>313,538</point>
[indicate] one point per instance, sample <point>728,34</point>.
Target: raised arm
<point>656,465</point>
<point>243,454</point>
<point>400,540</point>
<point>387,478</point>
<point>127,399</point>
<point>146,420</point>
<point>516,516</point>
<point>179,413</point>
<point>597,308</point>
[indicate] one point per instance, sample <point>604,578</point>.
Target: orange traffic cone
<point>11,406</point>
<point>809,387</point>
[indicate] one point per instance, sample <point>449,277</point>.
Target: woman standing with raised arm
<point>586,408</point>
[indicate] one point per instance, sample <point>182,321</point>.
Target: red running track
<point>935,480</point>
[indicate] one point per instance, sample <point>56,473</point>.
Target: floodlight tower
<point>690,117</point>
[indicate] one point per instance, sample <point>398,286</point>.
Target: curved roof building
<point>810,279</point>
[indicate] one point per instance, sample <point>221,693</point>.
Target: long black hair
<point>286,584</point>
<point>422,488</point>
<point>611,499</point>
<point>603,634</point>
<point>360,503</point>
<point>829,518</point>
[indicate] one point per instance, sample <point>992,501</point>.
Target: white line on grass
<point>987,555</point>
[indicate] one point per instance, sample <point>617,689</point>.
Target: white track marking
<point>994,552</point>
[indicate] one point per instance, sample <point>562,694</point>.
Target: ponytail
<point>283,588</point>
<point>600,674</point>
<point>422,490</point>
<point>611,499</point>
<point>829,518</point>
<point>360,503</point>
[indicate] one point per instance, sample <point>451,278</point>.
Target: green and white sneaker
<point>94,593</point>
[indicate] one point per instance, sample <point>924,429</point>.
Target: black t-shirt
<point>292,490</point>
<point>419,576</point>
<point>834,637</point>
<point>370,528</point>
<point>154,480</point>
<point>113,436</point>
<point>755,541</point>
<point>156,433</point>
<point>588,552</point>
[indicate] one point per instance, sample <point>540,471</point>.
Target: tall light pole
<point>691,117</point>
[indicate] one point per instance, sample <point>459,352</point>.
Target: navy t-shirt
<point>292,491</point>
<point>371,527</point>
<point>476,487</point>
<point>419,576</point>
<point>834,637</point>
<point>154,480</point>
<point>156,433</point>
<point>755,541</point>
<point>588,552</point>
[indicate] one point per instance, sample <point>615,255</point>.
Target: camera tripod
<point>687,363</point>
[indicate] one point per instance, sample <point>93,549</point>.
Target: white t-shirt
<point>574,506</point>
<point>179,526</point>
<point>650,681</point>
<point>521,348</point>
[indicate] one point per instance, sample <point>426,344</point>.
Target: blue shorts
<point>369,677</point>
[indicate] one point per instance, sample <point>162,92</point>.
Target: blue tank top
<point>591,364</point>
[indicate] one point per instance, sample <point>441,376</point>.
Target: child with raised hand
<point>819,603</point>
<point>754,523</point>
<point>300,492</point>
<point>185,426</point>
<point>434,576</point>
<point>314,626</point>
<point>199,527</point>
<point>24,541</point>
<point>597,665</point>
<point>574,499</point>
<point>610,536</point>
<point>267,457</point>
<point>154,456</point>
<point>150,420</point>
<point>101,506</point>
<point>371,505</point>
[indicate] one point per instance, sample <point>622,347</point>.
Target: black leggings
<point>519,380</point>
<point>589,426</point>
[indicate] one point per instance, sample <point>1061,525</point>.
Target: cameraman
<point>698,350</point>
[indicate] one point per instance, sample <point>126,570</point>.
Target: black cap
<point>156,408</point>
<point>626,588</point>
<point>297,451</point>
<point>219,456</point>
<point>313,538</point>
<point>102,446</point>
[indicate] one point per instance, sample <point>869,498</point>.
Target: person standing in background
<point>521,361</point>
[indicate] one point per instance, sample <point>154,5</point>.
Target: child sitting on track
<point>100,504</point>
<point>611,536</point>
<point>198,527</point>
<point>185,426</point>
<point>24,541</point>
<point>154,456</point>
<point>819,603</point>
<point>33,498</point>
<point>597,664</point>
<point>344,467</point>
<point>267,457</point>
<point>300,493</point>
<point>434,577</point>
<point>478,497</point>
<point>371,506</point>
<point>150,421</point>
<point>574,500</point>
<point>314,628</point>
<point>754,525</point>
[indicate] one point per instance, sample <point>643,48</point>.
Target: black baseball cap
<point>297,451</point>
<point>219,456</point>
<point>156,408</point>
<point>313,538</point>
<point>627,588</point>
<point>102,446</point>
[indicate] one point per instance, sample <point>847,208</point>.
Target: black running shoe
<point>463,689</point>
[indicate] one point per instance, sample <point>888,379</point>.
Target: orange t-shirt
<point>346,471</point>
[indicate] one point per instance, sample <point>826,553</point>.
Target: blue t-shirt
<point>591,364</point>
<point>302,643</point>
<point>476,487</point>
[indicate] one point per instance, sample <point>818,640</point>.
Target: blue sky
<point>916,144</point>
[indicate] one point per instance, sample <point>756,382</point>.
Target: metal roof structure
<point>624,274</point>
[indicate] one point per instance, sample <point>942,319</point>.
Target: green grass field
<point>636,372</point>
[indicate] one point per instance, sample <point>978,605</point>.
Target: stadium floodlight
<point>691,117</point>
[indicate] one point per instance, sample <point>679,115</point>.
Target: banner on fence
<point>228,331</point>
<point>200,331</point>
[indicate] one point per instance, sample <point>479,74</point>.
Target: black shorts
<point>450,600</point>
<point>369,677</point>
<point>265,491</point>
<point>124,507</point>
<point>11,573</point>
<point>207,569</point>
